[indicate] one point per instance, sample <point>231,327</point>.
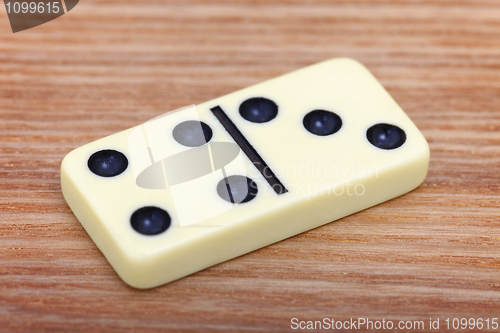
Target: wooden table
<point>110,65</point>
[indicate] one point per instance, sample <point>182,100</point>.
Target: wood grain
<point>109,65</point>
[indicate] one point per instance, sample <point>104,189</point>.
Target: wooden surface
<point>110,65</point>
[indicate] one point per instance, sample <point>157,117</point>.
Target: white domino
<point>208,183</point>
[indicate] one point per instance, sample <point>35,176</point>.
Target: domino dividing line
<point>249,150</point>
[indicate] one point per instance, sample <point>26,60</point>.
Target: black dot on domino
<point>237,189</point>
<point>192,133</point>
<point>150,220</point>
<point>258,110</point>
<point>107,163</point>
<point>386,136</point>
<point>322,122</point>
